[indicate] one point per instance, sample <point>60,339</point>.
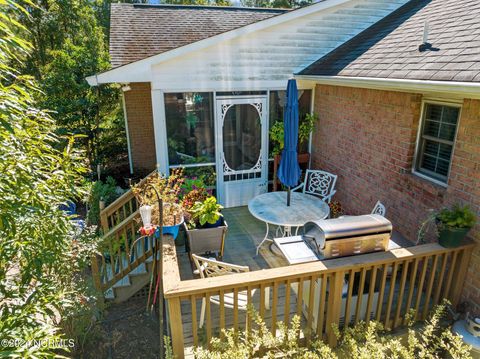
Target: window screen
<point>190,127</point>
<point>437,138</point>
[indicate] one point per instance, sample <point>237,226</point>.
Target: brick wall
<point>138,102</point>
<point>368,137</point>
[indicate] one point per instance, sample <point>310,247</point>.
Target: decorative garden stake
<point>157,231</point>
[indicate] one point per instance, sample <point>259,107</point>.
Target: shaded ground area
<point>127,332</point>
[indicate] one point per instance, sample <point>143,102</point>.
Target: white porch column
<point>160,129</point>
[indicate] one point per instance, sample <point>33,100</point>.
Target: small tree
<point>39,172</point>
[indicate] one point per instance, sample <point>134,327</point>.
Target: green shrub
<point>105,191</point>
<point>364,341</point>
<point>40,261</point>
<point>457,217</point>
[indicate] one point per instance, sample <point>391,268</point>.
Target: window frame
<point>419,140</point>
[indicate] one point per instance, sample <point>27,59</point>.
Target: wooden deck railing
<point>122,249</point>
<point>120,210</point>
<point>382,286</point>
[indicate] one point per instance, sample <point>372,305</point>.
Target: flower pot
<point>451,237</point>
<point>173,230</point>
<point>218,223</point>
<point>207,240</point>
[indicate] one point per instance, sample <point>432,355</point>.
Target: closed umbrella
<point>289,171</point>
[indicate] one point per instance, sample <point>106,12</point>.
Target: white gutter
<point>451,88</point>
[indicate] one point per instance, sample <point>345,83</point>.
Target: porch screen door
<point>241,142</point>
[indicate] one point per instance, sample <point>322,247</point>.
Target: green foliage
<point>40,263</point>
<point>199,2</point>
<point>207,211</point>
<point>100,191</point>
<point>286,4</point>
<point>69,45</point>
<point>193,183</point>
<point>364,341</point>
<point>457,217</point>
<point>305,127</point>
<point>277,137</point>
<point>261,343</point>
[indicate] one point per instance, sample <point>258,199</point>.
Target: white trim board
<point>448,89</point>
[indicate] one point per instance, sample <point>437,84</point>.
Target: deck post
<point>176,326</point>
<point>96,276</point>
<point>459,274</point>
<point>334,306</point>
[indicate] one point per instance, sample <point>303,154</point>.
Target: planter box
<point>207,240</point>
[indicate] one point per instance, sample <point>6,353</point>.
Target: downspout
<point>310,137</point>
<point>129,149</point>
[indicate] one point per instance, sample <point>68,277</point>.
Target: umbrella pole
<point>288,197</point>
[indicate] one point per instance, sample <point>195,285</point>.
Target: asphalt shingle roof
<point>390,48</point>
<point>140,31</point>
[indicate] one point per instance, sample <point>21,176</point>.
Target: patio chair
<point>379,208</point>
<point>319,183</point>
<point>209,267</point>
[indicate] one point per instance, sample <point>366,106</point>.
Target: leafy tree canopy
<point>288,4</point>
<point>40,171</point>
<point>69,44</point>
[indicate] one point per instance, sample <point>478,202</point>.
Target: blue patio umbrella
<point>289,171</point>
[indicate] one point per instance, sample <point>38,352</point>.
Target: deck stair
<point>125,264</point>
<point>132,282</point>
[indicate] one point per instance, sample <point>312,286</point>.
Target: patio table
<point>272,209</point>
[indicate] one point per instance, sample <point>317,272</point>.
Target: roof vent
<point>425,44</point>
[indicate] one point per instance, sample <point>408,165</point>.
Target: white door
<point>241,149</point>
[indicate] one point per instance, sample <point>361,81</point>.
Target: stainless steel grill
<point>349,235</point>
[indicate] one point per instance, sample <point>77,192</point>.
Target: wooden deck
<point>384,286</point>
<point>244,233</point>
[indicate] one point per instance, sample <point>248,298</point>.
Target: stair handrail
<point>121,208</point>
<point>120,244</point>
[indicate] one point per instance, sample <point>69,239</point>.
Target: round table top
<point>272,208</point>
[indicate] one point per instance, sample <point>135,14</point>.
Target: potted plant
<point>452,225</point>
<point>305,128</point>
<point>206,228</point>
<point>169,191</point>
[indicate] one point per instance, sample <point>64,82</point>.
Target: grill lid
<point>346,227</point>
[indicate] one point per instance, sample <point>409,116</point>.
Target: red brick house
<point>396,86</point>
<point>401,124</point>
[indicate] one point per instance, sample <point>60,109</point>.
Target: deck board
<point>244,234</point>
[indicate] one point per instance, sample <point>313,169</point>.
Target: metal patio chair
<point>379,208</point>
<point>319,183</point>
<point>209,267</point>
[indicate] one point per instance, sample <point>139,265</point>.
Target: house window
<point>436,141</point>
<point>190,128</point>
<point>277,103</point>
